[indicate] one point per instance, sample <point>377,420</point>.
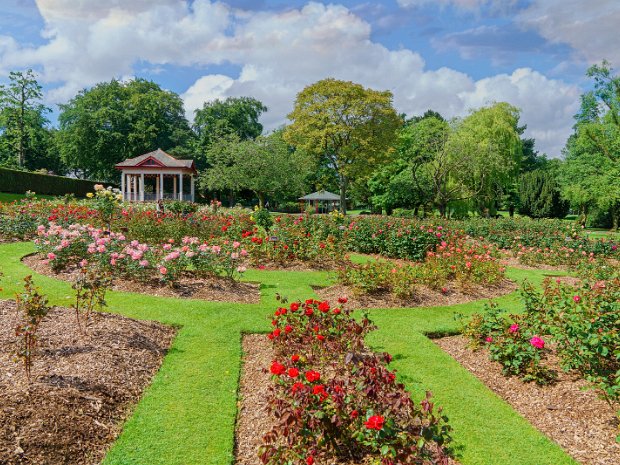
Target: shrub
<point>332,399</point>
<point>90,288</point>
<point>19,182</point>
<point>32,307</point>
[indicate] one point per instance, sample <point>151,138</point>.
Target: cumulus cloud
<point>590,29</point>
<point>277,52</point>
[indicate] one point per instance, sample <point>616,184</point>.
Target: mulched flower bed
<point>213,288</point>
<point>584,425</point>
<point>424,296</point>
<point>83,386</point>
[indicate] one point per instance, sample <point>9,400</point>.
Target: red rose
<point>276,332</point>
<point>324,306</point>
<point>355,414</point>
<point>342,300</point>
<point>294,306</point>
<point>320,337</point>
<point>277,368</point>
<point>274,322</point>
<point>309,311</point>
<point>270,336</point>
<point>337,311</point>
<point>295,358</point>
<point>297,387</point>
<point>312,376</point>
<point>310,460</point>
<point>375,422</point>
<point>293,372</point>
<point>309,301</point>
<point>315,328</point>
<point>288,328</point>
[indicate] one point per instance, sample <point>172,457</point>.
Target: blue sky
<point>449,55</point>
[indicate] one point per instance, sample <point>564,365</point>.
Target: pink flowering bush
<point>513,341</point>
<point>113,252</point>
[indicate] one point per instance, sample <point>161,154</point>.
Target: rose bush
<point>333,399</point>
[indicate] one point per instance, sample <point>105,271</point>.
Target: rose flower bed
<point>169,265</point>
<point>567,341</point>
<point>333,400</point>
<point>456,271</point>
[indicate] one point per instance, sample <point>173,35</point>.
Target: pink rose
<point>537,342</point>
<point>576,299</point>
<point>51,256</point>
<point>514,328</point>
<point>489,339</point>
<point>163,270</point>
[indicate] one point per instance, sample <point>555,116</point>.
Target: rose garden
<point>131,335</point>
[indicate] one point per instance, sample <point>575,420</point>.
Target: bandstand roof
<point>321,195</point>
<point>156,160</point>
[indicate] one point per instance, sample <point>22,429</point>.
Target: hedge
<point>18,182</point>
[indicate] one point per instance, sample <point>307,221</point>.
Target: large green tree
<point>267,166</point>
<point>474,159</point>
<point>116,120</point>
<point>346,126</point>
<point>24,135</point>
<point>540,195</point>
<point>592,169</point>
<point>235,115</point>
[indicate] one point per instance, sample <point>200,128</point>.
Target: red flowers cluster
<point>375,422</point>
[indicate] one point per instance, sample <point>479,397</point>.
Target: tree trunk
<point>261,200</point>
<point>511,210</point>
<point>231,199</point>
<point>21,157</point>
<point>615,216</point>
<point>343,195</point>
<point>443,207</point>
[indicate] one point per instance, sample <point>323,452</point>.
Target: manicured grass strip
<point>187,415</point>
<point>8,197</point>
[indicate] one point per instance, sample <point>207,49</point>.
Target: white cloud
<point>461,4</point>
<point>278,53</point>
<point>591,28</point>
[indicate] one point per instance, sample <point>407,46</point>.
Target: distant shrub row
<point>18,182</point>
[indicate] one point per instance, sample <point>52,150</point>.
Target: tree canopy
<point>116,120</point>
<point>352,128</point>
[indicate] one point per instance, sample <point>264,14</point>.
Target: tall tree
<point>116,120</point>
<point>349,126</point>
<point>474,159</point>
<point>540,196</point>
<point>592,169</point>
<point>22,118</point>
<point>235,115</point>
<point>267,166</point>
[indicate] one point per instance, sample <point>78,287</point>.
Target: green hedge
<point>18,182</point>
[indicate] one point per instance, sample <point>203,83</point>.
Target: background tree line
<point>341,137</point>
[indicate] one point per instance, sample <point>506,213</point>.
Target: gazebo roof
<point>156,159</point>
<point>320,195</point>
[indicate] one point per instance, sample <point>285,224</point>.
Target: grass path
<point>187,415</point>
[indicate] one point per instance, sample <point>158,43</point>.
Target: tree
<point>489,139</point>
<point>474,159</point>
<point>23,123</point>
<point>540,196</point>
<point>350,127</point>
<point>266,166</point>
<point>116,120</point>
<point>592,169</point>
<point>235,115</point>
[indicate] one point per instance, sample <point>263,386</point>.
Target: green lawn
<point>187,415</point>
<point>8,197</point>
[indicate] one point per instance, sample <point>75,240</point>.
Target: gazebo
<point>323,201</point>
<point>156,175</point>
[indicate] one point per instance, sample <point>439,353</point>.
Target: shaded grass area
<point>6,197</point>
<point>187,415</point>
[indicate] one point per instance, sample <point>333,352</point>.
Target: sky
<point>451,56</point>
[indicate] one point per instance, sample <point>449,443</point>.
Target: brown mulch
<point>423,297</point>
<point>208,288</point>
<point>581,423</point>
<point>83,385</point>
<point>253,422</point>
